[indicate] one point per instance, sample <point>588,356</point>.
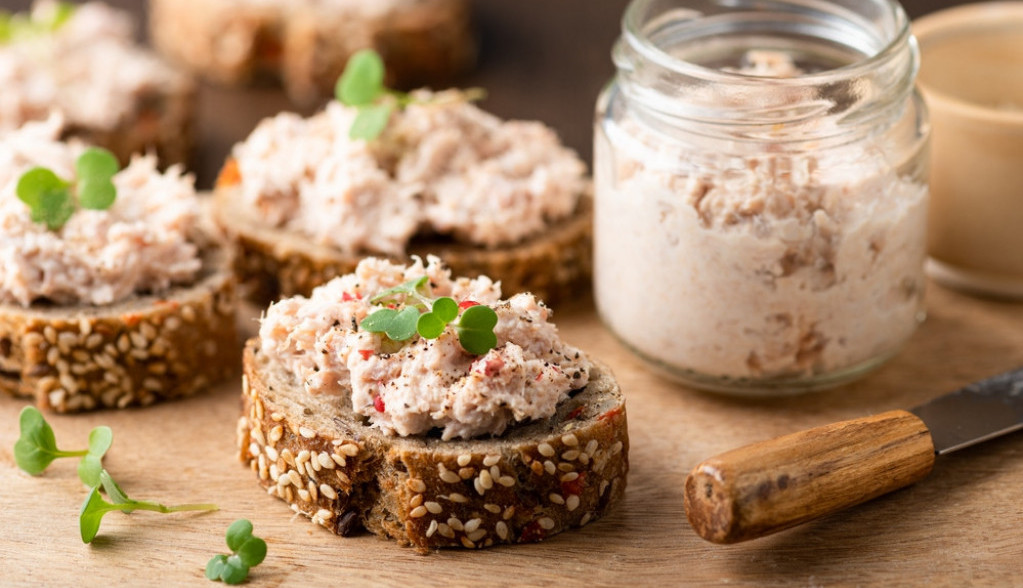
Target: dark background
<point>538,59</point>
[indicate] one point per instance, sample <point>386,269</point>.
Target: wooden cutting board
<point>962,525</point>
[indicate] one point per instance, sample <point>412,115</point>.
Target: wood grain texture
<point>959,526</point>
<point>772,485</point>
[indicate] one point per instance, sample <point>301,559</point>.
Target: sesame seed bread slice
<point>534,481</point>
<point>136,352</point>
<point>274,262</point>
<point>305,45</point>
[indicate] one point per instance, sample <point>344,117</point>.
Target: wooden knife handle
<point>773,485</point>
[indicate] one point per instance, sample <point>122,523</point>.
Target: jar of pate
<point>760,190</point>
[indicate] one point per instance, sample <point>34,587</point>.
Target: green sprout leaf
<point>476,329</point>
<point>96,168</point>
<point>432,324</point>
<point>91,465</point>
<point>398,325</point>
<point>36,448</point>
<point>370,121</point>
<point>49,198</point>
<point>96,194</point>
<point>362,81</point>
<point>62,13</point>
<point>249,552</point>
<point>94,507</point>
<point>410,287</point>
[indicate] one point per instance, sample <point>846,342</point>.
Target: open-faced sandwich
<point>395,175</point>
<point>306,43</point>
<point>82,60</point>
<point>429,410</point>
<point>111,295</point>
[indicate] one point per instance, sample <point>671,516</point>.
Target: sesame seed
<point>338,459</point>
<point>508,513</point>
<point>432,529</point>
<point>417,512</point>
<point>277,477</point>
<point>572,502</point>
<point>546,523</point>
<point>570,455</point>
<point>467,543</point>
<point>584,458</point>
<point>84,326</point>
<point>445,531</point>
<point>304,494</point>
<point>275,434</point>
<point>172,323</point>
<point>50,333</point>
<point>271,453</point>
<point>416,500</point>
<point>506,481</point>
<point>458,498</point>
<point>349,449</point>
<point>264,474</point>
<point>477,535</point>
<point>490,507</point>
<point>455,524</point>
<point>591,447</point>
<point>307,432</point>
<point>147,331</point>
<point>486,480</point>
<point>274,416</point>
<point>556,498</point>
<point>466,473</point>
<point>545,449</point>
<point>188,313</point>
<point>328,491</point>
<point>570,439</point>
<point>65,340</point>
<point>502,530</point>
<point>464,459</point>
<point>449,476</point>
<point>416,485</point>
<point>296,478</point>
<point>324,514</point>
<point>343,478</point>
<point>586,518</point>
<point>549,467</point>
<point>288,456</point>
<point>257,434</point>
<point>472,524</point>
<point>570,476</point>
<point>137,340</point>
<point>433,507</point>
<point>93,341</point>
<point>616,448</point>
<point>302,457</point>
<point>103,360</point>
<point>566,467</point>
<point>313,492</point>
<point>491,460</point>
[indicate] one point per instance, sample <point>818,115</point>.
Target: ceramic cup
<point>971,76</point>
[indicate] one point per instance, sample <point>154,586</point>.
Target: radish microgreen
<point>361,85</point>
<point>23,25</point>
<point>52,200</point>
<point>429,317</point>
<point>36,448</point>
<point>249,551</point>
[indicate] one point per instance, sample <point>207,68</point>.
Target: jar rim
<point>632,26</point>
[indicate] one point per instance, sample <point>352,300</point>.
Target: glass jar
<point>760,190</point>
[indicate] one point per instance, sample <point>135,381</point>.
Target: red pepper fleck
<point>532,532</point>
<point>392,305</point>
<point>346,297</point>
<point>131,319</point>
<point>611,414</point>
<point>575,413</point>
<point>467,303</point>
<point>493,366</point>
<point>539,376</point>
<point>575,486</point>
<point>366,353</point>
<point>378,403</point>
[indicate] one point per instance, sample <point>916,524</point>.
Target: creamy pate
<point>442,166</point>
<point>90,69</point>
<point>412,387</point>
<point>142,243</point>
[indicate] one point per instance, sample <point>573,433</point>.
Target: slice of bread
<point>135,352</point>
<point>306,44</point>
<point>273,262</point>
<point>535,480</point>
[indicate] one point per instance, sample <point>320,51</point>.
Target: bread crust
<point>273,262</point>
<point>306,46</point>
<point>534,481</point>
<point>132,353</point>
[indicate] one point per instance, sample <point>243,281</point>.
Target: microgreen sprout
<point>95,507</point>
<point>51,200</point>
<point>430,316</point>
<point>36,448</point>
<point>249,551</point>
<point>21,25</point>
<point>362,85</point>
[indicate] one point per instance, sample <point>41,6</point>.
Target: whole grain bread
<point>305,45</point>
<point>535,480</point>
<point>136,352</point>
<point>274,262</point>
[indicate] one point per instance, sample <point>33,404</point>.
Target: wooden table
<point>545,60</point>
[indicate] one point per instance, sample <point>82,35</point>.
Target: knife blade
<point>773,485</point>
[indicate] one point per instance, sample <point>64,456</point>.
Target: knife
<point>773,485</point>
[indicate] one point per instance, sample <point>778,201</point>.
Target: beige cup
<point>971,76</point>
